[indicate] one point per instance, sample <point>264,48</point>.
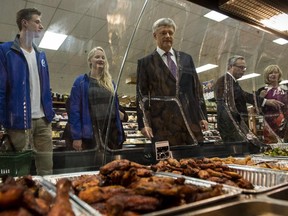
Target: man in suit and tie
<point>232,113</point>
<point>170,102</point>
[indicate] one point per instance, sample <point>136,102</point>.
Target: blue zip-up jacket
<point>79,118</point>
<point>15,102</point>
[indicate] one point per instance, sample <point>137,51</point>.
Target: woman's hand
<point>122,115</point>
<point>77,145</point>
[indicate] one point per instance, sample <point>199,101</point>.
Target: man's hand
<point>147,132</point>
<point>274,103</point>
<point>204,125</point>
<point>263,93</point>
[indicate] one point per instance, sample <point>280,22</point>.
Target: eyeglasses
<point>241,67</point>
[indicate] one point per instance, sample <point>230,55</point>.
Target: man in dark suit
<point>170,102</point>
<point>232,113</point>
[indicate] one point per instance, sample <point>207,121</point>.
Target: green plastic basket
<point>15,163</point>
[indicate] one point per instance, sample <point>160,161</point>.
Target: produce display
<point>204,169</point>
<point>274,152</point>
<point>25,197</point>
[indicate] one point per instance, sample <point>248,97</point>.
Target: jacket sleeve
<point>75,111</point>
<point>142,90</point>
<point>3,86</point>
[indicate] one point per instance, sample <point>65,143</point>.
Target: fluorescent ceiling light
<point>215,16</point>
<point>248,76</point>
<point>280,41</point>
<point>52,40</point>
<point>278,22</point>
<point>283,82</point>
<point>205,67</point>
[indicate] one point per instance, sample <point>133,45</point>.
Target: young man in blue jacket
<point>25,97</point>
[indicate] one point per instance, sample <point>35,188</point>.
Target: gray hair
<point>163,22</point>
<point>233,59</point>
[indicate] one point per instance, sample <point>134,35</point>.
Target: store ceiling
<point>250,11</point>
<point>111,24</point>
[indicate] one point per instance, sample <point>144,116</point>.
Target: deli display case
<point>123,29</point>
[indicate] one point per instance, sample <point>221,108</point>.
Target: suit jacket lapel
<point>160,64</point>
<point>178,60</point>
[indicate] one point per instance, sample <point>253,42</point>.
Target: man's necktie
<point>171,64</point>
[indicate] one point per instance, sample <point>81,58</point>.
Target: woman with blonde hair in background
<point>276,118</point>
<point>91,98</point>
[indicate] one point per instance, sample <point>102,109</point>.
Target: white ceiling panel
<point>75,6</point>
<point>87,27</point>
<point>9,9</point>
<point>51,3</point>
<point>8,32</point>
<point>64,22</point>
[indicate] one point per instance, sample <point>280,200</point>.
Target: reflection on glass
<point>275,126</point>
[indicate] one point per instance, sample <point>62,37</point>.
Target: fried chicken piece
<point>15,212</point>
<point>216,191</point>
<point>62,205</point>
<point>143,172</point>
<point>122,164</point>
<point>120,177</point>
<point>99,206</point>
<point>233,175</point>
<point>173,162</point>
<point>85,181</point>
<point>231,183</point>
<point>203,174</point>
<point>100,194</point>
<point>157,185</point>
<point>207,166</point>
<point>32,204</point>
<point>45,195</point>
<point>10,195</point>
<point>189,171</point>
<point>191,162</point>
<point>160,166</point>
<point>243,183</point>
<point>217,179</point>
<point>117,204</point>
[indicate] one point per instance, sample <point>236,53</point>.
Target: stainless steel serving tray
<point>79,207</point>
<point>277,162</point>
<point>263,179</point>
<point>271,157</point>
<point>54,178</point>
<point>249,207</point>
<point>229,192</point>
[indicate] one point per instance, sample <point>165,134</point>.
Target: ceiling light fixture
<point>215,16</point>
<point>283,82</point>
<point>52,40</point>
<point>205,67</point>
<point>265,14</point>
<point>280,41</point>
<point>248,76</point>
<point>278,22</point>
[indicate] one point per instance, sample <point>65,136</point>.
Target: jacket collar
<point>16,45</point>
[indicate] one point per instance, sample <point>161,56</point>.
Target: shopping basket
<point>14,163</point>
